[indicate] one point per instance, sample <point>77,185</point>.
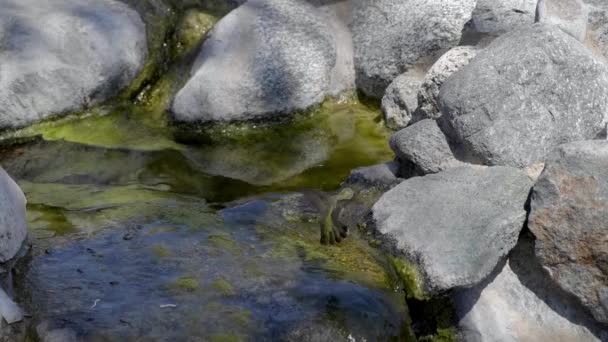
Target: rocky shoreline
<point>169,117</point>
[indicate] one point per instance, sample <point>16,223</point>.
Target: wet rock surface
<point>65,56</point>
<point>568,217</point>
<point>454,226</point>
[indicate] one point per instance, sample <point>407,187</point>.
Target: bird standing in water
<point>329,208</point>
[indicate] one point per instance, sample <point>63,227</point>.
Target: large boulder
<point>569,217</point>
<point>446,66</point>
<point>569,15</point>
<point>391,36</point>
<point>519,302</point>
<point>60,56</point>
<point>423,148</point>
<point>530,90</point>
<point>266,58</point>
<point>495,17</point>
<point>13,228</point>
<point>454,226</point>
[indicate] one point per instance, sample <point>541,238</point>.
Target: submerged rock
<point>519,302</point>
<point>424,147</point>
<point>265,59</point>
<point>13,228</point>
<point>568,15</point>
<point>65,55</point>
<point>569,215</point>
<point>529,91</point>
<point>446,66</point>
<point>454,226</point>
<point>391,36</point>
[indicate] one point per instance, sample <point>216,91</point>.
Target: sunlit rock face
<point>61,56</point>
<point>268,58</point>
<point>527,92</point>
<point>568,217</point>
<point>392,36</point>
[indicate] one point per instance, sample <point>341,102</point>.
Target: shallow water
<point>141,234</point>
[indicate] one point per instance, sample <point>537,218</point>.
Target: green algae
<point>225,338</point>
<point>223,286</point>
<point>191,31</point>
<point>409,277</point>
<point>161,251</point>
<point>223,242</point>
<point>49,219</point>
<point>186,283</point>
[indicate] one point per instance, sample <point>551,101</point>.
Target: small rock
<point>495,17</point>
<point>527,92</point>
<point>569,215</point>
<point>448,64</point>
<point>454,226</point>
<point>392,36</point>
<point>383,176</point>
<point>401,99</point>
<point>424,146</point>
<point>569,15</point>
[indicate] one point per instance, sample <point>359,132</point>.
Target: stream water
<point>140,233</point>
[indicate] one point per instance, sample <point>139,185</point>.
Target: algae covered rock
<point>391,36</point>
<point>456,225</point>
<point>13,229</point>
<point>528,91</point>
<point>569,211</point>
<point>62,56</point>
<point>265,59</point>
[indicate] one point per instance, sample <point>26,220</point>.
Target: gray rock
<point>448,64</point>
<point>401,98</point>
<point>529,91</point>
<point>496,17</point>
<point>597,28</point>
<point>568,15</point>
<point>456,225</point>
<point>569,215</point>
<point>266,58</point>
<point>383,176</point>
<point>391,36</point>
<point>13,228</point>
<point>519,302</point>
<point>64,55</point>
<point>424,146</point>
